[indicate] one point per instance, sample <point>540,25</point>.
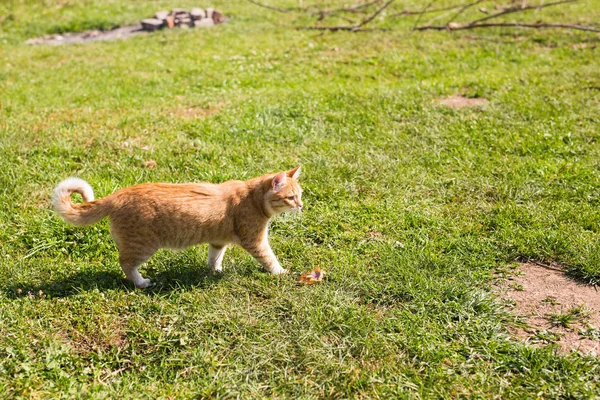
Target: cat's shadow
<point>182,276</point>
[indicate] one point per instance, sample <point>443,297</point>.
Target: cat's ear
<point>294,173</point>
<point>278,181</point>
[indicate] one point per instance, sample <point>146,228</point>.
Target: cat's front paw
<point>279,271</point>
<point>143,284</point>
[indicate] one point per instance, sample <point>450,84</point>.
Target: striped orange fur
<point>150,216</point>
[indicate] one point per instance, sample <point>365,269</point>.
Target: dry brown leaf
<point>314,276</point>
<point>150,164</point>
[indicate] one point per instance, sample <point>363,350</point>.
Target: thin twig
<point>508,24</point>
<point>463,9</point>
<point>413,12</point>
<point>423,12</point>
<point>353,8</point>
<point>462,6</point>
<point>519,9</point>
<point>450,25</point>
<point>349,28</point>
<point>546,265</point>
<point>375,14</point>
<point>349,20</point>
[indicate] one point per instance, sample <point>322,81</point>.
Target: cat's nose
<point>300,206</point>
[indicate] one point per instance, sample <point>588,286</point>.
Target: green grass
<point>563,319</point>
<point>570,316</point>
<point>410,206</point>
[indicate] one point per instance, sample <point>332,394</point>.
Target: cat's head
<point>285,194</point>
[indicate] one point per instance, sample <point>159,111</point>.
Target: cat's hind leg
<point>215,257</point>
<point>130,262</point>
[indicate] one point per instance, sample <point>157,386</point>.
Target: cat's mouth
<point>296,209</point>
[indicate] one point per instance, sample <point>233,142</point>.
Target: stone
<point>162,15</point>
<point>170,21</point>
<point>151,24</point>
<point>217,17</point>
<point>197,13</point>
<point>209,12</point>
<point>181,22</point>
<point>91,34</point>
<point>178,11</point>
<point>204,22</point>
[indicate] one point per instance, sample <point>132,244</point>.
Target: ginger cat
<point>150,216</point>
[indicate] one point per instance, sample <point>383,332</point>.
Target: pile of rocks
<point>180,17</point>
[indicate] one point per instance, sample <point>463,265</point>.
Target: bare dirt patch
<point>90,36</point>
<point>192,112</point>
<point>462,102</point>
<point>100,333</point>
<point>178,17</point>
<point>553,307</point>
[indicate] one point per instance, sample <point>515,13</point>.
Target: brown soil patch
<point>554,307</point>
<point>124,31</point>
<point>186,112</point>
<point>462,102</point>
<point>100,333</point>
<point>90,36</point>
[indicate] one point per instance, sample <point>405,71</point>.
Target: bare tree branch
<point>362,8</point>
<point>351,28</point>
<point>508,24</point>
<point>518,9</point>
<point>376,13</point>
<point>423,12</point>
<point>352,8</point>
<point>434,10</point>
<point>463,9</point>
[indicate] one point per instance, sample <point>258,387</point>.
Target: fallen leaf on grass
<point>582,46</point>
<point>314,276</point>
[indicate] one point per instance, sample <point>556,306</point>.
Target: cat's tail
<point>88,212</point>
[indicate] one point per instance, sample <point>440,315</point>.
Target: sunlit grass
<point>410,206</point>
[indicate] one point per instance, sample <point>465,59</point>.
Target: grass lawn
<point>410,206</point>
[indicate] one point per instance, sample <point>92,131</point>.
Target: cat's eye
<point>291,197</point>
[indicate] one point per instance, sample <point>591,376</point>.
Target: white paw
<point>217,270</point>
<point>279,271</point>
<point>143,283</point>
